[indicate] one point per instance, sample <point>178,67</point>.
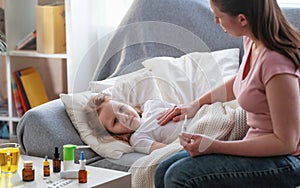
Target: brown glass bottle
<point>82,173</point>
<point>56,161</point>
<point>46,167</point>
<point>82,176</point>
<point>28,171</point>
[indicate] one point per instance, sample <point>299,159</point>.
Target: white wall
<point>111,13</point>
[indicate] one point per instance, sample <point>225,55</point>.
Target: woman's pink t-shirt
<point>251,91</point>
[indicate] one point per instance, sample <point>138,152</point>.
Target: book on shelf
<point>28,42</point>
<point>17,77</point>
<point>34,89</point>
<point>31,88</point>
<point>17,99</point>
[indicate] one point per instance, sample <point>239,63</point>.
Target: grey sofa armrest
<point>45,127</point>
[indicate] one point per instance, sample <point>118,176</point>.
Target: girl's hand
<point>178,112</point>
<point>196,144</point>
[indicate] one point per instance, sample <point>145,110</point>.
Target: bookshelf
<point>68,72</point>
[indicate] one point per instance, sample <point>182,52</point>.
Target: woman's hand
<point>178,112</point>
<point>196,144</point>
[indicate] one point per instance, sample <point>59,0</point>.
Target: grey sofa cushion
<point>45,125</point>
<point>147,20</point>
<point>122,164</point>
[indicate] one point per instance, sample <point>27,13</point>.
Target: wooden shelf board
<point>29,53</point>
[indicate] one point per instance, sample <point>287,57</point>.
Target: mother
<point>267,87</point>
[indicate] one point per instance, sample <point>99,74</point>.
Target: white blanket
<point>223,121</point>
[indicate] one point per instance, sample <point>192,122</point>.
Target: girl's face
<point>230,24</point>
<point>118,118</point>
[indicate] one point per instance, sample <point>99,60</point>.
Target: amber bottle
<point>82,173</point>
<point>46,167</point>
<point>56,161</point>
<point>28,171</point>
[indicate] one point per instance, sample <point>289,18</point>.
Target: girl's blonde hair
<point>92,109</point>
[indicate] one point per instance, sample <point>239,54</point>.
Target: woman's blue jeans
<point>181,170</point>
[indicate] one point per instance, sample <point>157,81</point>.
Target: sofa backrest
<point>173,28</point>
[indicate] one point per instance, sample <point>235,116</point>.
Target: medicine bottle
<point>56,161</point>
<point>46,167</point>
<point>82,173</point>
<point>28,171</point>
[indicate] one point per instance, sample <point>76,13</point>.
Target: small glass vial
<point>56,161</point>
<point>82,173</point>
<point>46,166</point>
<point>28,171</point>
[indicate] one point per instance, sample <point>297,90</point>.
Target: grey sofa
<point>48,126</point>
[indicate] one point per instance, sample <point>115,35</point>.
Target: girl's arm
<point>143,143</point>
<point>156,145</point>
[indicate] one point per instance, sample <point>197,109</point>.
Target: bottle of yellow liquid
<point>9,157</point>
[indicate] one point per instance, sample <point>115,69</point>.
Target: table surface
<point>97,177</point>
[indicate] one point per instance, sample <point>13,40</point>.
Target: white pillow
<point>182,80</point>
<point>98,86</point>
<point>176,80</point>
<point>74,104</point>
<point>134,88</point>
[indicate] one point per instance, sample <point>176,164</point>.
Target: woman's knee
<point>173,176</point>
<point>163,167</point>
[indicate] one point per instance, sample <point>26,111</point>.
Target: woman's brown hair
<point>268,24</point>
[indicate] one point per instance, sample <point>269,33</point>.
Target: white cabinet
<point>68,72</point>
